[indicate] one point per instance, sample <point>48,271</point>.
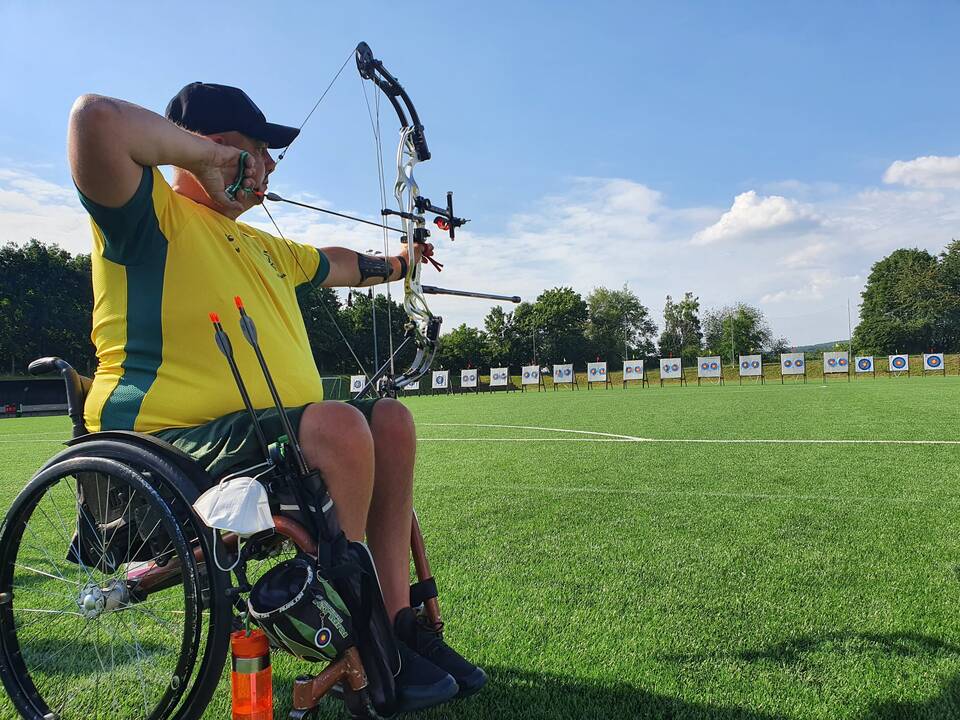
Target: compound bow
<point>423,327</point>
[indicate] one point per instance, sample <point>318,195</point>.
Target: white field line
<point>614,437</point>
<point>702,494</point>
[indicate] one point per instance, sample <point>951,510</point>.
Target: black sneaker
<point>422,636</point>
<point>421,684</point>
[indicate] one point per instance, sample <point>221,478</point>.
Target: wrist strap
<point>403,266</point>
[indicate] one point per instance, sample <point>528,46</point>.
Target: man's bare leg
<point>336,440</point>
<point>391,510</point>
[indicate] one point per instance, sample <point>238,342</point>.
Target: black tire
<point>179,481</point>
<point>65,623</point>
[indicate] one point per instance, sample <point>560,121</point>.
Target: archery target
<point>596,371</point>
<point>409,387</point>
<point>899,363</point>
<point>499,377</point>
<point>708,367</point>
<point>835,362</point>
<point>563,373</point>
<point>751,366</point>
<point>792,364</point>
<point>530,375</point>
<point>633,370</point>
<point>671,368</point>
<point>357,382</point>
<point>441,379</point>
<point>933,361</point>
<point>864,364</point>
<point>468,378</point>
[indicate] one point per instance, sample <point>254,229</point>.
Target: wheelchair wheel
<point>101,597</point>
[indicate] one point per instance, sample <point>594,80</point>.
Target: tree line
<point>911,303</point>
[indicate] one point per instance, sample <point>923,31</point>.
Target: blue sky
<point>752,151</point>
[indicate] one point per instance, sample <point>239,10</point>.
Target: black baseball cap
<point>207,108</point>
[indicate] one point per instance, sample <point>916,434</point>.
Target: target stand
<point>531,375</point>
<point>710,368</point>
<point>934,364</point>
<point>672,369</point>
<point>864,365</point>
<point>565,375</point>
<point>634,371</point>
<point>500,380</point>
<point>597,373</point>
<point>898,365</point>
<point>470,381</point>
<point>836,363</point>
<point>440,382</point>
<point>793,365</point>
<point>750,366</point>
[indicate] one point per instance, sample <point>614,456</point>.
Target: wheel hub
<point>94,600</point>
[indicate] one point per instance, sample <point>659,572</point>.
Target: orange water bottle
<point>251,679</point>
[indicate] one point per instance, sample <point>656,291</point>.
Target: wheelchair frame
<point>178,478</point>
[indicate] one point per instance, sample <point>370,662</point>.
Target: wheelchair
<point>115,598</point>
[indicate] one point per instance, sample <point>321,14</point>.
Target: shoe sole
<point>421,697</point>
<point>471,684</point>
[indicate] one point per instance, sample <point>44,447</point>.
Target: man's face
<point>264,163</point>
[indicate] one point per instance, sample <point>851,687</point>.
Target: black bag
<point>300,612</point>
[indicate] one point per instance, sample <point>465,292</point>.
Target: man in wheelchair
<point>164,256</point>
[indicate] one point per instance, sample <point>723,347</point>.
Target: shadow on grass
<point>532,696</point>
<point>945,704</point>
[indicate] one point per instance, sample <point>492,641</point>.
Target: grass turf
<point>600,577</point>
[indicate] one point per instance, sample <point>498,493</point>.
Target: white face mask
<point>238,504</point>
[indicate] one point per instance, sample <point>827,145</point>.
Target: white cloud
<point>31,207</point>
<point>753,215</point>
<point>929,171</point>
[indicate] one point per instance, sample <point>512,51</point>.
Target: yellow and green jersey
<point>161,264</point>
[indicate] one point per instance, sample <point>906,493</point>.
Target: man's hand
<point>219,170</point>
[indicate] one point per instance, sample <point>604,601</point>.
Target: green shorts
<point>229,443</point>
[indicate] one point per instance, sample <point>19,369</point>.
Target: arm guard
<point>373,266</point>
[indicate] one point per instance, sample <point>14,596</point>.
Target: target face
<point>792,364</point>
<point>531,375</point>
<point>750,366</point>
<point>468,378</point>
<point>671,369</point>
<point>597,371</point>
<point>632,370</point>
<point>708,367</point>
<point>899,363</point>
<point>835,362</point>
<point>933,361</point>
<point>864,363</point>
<point>563,373</point>
<point>498,377</point>
<point>323,638</point>
<point>357,382</point>
<point>415,385</point>
<point>441,378</point>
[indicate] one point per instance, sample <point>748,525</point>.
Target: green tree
<point>559,321</point>
<point>618,323</point>
<point>503,340</point>
<point>460,348</point>
<point>909,304</point>
<point>739,329</point>
<point>682,335</point>
<point>46,303</point>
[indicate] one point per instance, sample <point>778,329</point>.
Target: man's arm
<point>353,269</point>
<point>110,141</point>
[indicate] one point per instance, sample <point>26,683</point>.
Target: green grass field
<point>662,568</point>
